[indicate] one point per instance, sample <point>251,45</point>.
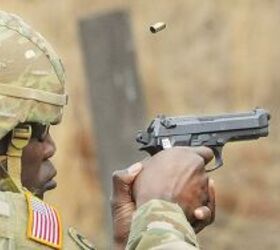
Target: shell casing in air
<point>157,27</point>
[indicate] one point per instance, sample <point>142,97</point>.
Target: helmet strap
<point>21,135</point>
<point>6,183</point>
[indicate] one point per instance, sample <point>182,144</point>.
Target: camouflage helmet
<point>31,76</point>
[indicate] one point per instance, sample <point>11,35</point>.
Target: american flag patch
<point>44,225</point>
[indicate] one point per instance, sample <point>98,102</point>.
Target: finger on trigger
<point>205,152</point>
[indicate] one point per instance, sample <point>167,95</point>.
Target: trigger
<point>218,158</point>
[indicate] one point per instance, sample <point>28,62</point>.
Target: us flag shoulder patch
<point>44,224</point>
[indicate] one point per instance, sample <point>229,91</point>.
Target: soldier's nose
<point>49,147</point>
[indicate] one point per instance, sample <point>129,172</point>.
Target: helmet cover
<point>32,76</point>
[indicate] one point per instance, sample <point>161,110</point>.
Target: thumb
<point>123,180</point>
<point>203,217</point>
<point>202,213</point>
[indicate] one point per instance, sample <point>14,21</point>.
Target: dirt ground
<point>215,56</point>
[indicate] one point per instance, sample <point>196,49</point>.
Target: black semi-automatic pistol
<point>211,131</point>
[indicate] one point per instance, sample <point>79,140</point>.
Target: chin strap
<point>20,138</point>
<point>6,183</point>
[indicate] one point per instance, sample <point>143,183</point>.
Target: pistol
<point>211,131</point>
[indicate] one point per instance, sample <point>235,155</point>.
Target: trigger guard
<point>218,159</point>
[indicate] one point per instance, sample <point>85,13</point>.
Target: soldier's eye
<point>39,131</point>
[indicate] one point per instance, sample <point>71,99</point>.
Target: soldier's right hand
<point>178,175</point>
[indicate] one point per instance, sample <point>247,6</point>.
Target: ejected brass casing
<point>157,27</point>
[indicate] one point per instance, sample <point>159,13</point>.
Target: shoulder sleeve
<point>161,225</point>
<point>14,225</point>
<point>7,224</point>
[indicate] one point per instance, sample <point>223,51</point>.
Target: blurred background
<point>215,56</point>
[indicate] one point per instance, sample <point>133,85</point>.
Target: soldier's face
<point>37,170</point>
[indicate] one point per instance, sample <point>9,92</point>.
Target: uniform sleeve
<point>6,244</point>
<point>161,225</point>
<point>14,215</point>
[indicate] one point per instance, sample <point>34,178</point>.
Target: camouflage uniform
<point>156,225</point>
<point>13,226</point>
<point>32,90</point>
<point>161,225</point>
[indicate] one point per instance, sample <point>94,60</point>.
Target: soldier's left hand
<point>122,203</point>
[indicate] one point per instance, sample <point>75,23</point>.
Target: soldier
<point>32,97</point>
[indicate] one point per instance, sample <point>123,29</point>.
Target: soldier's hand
<point>176,175</point>
<point>205,215</point>
<point>122,204</point>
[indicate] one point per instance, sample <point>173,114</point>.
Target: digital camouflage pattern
<point>14,220</point>
<point>156,225</point>
<point>161,225</point>
<point>27,61</point>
